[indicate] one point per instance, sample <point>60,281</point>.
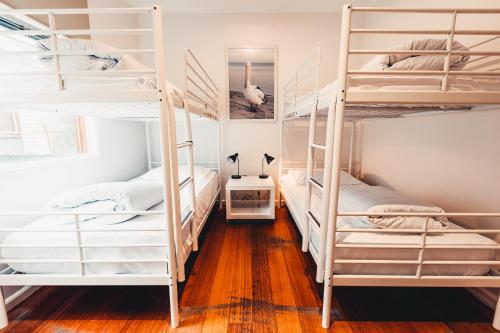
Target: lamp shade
<point>269,159</point>
<point>232,158</point>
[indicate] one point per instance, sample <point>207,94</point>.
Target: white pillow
<point>101,60</point>
<point>298,176</point>
<point>202,172</point>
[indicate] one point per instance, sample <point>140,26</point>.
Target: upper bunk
<point>392,67</point>
<point>47,68</point>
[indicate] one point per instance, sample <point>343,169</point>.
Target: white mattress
<point>410,83</point>
<point>295,196</point>
<point>206,188</point>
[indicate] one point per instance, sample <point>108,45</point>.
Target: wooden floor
<point>250,278</point>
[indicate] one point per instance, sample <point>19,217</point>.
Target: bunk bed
<point>350,249</point>
<point>142,246</point>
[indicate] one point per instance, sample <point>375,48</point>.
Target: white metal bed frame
<point>354,104</point>
<point>201,101</point>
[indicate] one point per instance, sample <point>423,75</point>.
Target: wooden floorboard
<point>250,277</point>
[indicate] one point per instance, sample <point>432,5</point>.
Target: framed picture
<point>252,82</point>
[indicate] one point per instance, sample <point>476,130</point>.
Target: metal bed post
<point>280,166</point>
<point>55,51</point>
<point>148,144</point>
<point>81,254</point>
<point>219,152</point>
<point>449,49</point>
<point>326,193</point>
<point>174,167</point>
<point>165,154</point>
<point>335,181</point>
<point>4,319</point>
<point>351,146</point>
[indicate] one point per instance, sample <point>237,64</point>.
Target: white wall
<point>117,153</point>
<point>207,35</point>
<point>114,21</point>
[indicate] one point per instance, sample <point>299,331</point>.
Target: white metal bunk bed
<point>347,99</point>
<point>86,92</point>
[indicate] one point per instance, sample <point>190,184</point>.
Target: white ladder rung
<point>316,183</point>
<point>185,144</point>
<point>185,182</point>
<point>318,146</point>
<point>188,217</point>
<point>312,217</point>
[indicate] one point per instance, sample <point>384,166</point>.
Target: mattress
<point>400,83</point>
<point>296,196</point>
<point>206,189</point>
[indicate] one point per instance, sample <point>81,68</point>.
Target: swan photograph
<point>251,81</point>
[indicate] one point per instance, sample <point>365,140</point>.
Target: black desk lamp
<point>269,160</point>
<point>233,159</point>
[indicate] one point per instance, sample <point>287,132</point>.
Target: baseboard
<point>20,296</point>
<point>488,296</point>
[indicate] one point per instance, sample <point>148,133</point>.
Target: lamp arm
<point>238,159</point>
<point>262,166</point>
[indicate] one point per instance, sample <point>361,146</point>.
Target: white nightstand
<point>250,209</point>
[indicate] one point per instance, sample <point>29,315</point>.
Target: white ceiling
<point>250,6</point>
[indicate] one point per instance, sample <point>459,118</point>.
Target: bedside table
<point>238,208</point>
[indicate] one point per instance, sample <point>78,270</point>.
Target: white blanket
<point>419,62</point>
<point>377,199</point>
<point>109,197</point>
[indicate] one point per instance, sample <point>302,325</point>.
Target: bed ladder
<point>179,185</point>
<point>310,181</point>
<point>311,148</point>
<point>189,182</point>
<point>324,187</point>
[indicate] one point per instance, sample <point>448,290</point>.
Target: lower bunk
<point>382,238</point>
<point>295,194</point>
<point>105,234</point>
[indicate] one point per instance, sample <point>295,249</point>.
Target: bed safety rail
<point>201,90</point>
<point>77,229</point>
<point>446,95</point>
<point>304,83</point>
<point>68,85</point>
<point>77,238</point>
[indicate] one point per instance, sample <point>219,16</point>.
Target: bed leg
<point>279,200</point>
<point>496,318</point>
<point>4,319</point>
<point>327,304</point>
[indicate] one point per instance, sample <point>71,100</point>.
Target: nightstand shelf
<point>250,209</point>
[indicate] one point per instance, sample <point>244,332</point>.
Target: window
<point>27,134</point>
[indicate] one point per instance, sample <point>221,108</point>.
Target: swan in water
<point>253,94</point>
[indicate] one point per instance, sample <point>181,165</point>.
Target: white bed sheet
<point>206,189</point>
<point>408,83</point>
<point>296,197</point>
